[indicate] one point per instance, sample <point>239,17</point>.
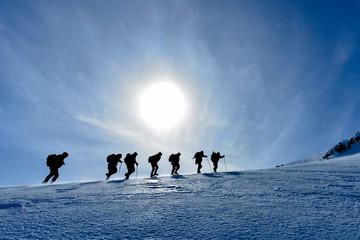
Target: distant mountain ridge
<point>350,144</point>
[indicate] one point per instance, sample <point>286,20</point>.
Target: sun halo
<point>162,105</point>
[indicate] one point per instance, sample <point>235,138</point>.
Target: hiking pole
<point>225,164</point>
<point>208,163</point>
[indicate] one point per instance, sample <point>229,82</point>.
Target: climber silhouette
<point>198,159</point>
<point>215,157</point>
<point>154,166</point>
<point>130,161</point>
<point>54,162</point>
<point>112,160</point>
<point>175,159</point>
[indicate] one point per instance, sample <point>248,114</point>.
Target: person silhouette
<point>130,161</point>
<point>112,161</point>
<point>215,157</point>
<point>175,159</point>
<point>198,159</point>
<point>54,162</point>
<point>154,166</point>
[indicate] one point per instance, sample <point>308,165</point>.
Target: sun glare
<point>162,105</point>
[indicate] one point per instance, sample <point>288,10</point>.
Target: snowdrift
<point>317,200</point>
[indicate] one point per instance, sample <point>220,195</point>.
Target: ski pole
<point>209,164</point>
<point>137,171</point>
<point>225,164</point>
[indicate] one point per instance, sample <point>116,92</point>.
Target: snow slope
<point>313,200</point>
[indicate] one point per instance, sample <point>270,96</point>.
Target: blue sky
<point>266,82</point>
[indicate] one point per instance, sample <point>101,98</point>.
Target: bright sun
<point>162,105</point>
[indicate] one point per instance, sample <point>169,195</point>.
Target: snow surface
<point>313,200</point>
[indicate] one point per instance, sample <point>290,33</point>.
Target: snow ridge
<point>319,200</point>
<point>345,145</point>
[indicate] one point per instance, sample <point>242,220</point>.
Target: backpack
<point>50,160</point>
<point>171,158</point>
<point>128,159</point>
<point>213,156</point>
<point>110,157</point>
